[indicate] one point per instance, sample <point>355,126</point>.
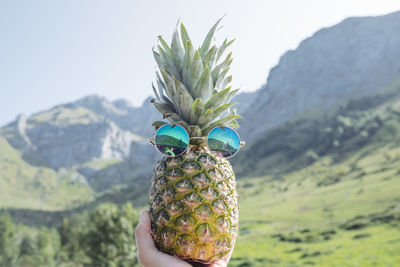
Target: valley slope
<point>318,180</point>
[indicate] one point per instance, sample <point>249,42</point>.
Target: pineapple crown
<point>193,85</point>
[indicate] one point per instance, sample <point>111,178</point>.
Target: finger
<point>144,240</point>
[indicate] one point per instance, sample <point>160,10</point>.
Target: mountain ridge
<point>348,60</point>
<point>104,141</point>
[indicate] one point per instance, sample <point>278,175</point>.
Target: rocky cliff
<point>135,119</point>
<point>66,135</point>
<point>352,59</point>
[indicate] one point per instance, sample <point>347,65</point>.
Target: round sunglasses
<point>173,140</point>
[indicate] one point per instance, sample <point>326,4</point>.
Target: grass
<point>98,164</point>
<point>65,115</point>
<point>295,220</point>
<point>320,204</point>
<point>373,246</point>
<point>338,211</point>
<point>25,186</point>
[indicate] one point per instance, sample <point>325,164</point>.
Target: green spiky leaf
<point>193,84</point>
<point>218,99</point>
<point>219,78</point>
<point>185,101</point>
<point>207,41</point>
<point>169,84</point>
<point>221,122</point>
<point>158,124</point>
<point>205,117</point>
<point>222,109</point>
<point>226,81</point>
<point>158,59</point>
<point>232,124</point>
<point>187,71</point>
<point>164,45</point>
<point>232,94</point>
<point>184,35</point>
<point>223,47</point>
<point>164,108</point>
<point>195,111</point>
<point>177,51</point>
<point>205,86</point>
<point>210,57</point>
<point>196,70</point>
<point>155,92</point>
<point>168,64</point>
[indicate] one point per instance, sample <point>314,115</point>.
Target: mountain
<point>355,58</point>
<point>318,179</point>
<point>347,61</point>
<point>74,145</point>
<point>330,79</point>
<point>122,113</point>
<point>23,185</point>
<point>301,142</point>
<point>244,99</point>
<point>66,135</point>
<point>360,140</point>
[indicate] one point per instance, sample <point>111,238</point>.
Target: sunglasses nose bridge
<point>195,131</point>
<point>198,140</point>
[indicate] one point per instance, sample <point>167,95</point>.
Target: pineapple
<point>193,198</point>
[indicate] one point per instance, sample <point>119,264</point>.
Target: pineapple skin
<point>194,206</point>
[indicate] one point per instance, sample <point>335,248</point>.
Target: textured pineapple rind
<point>194,206</point>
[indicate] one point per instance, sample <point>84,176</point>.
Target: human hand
<point>150,256</point>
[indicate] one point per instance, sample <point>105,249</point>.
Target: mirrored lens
<point>172,140</point>
<point>223,141</point>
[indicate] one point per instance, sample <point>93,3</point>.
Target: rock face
<point>142,153</point>
<point>17,136</point>
<point>245,100</point>
<point>135,119</point>
<point>64,136</point>
<point>352,59</point>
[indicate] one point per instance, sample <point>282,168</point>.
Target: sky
<point>52,52</point>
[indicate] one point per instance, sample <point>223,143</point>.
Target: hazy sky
<point>52,52</point>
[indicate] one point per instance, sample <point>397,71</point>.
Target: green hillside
<point>328,214</point>
<point>300,142</point>
<point>25,186</point>
<point>329,195</point>
<point>321,191</point>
